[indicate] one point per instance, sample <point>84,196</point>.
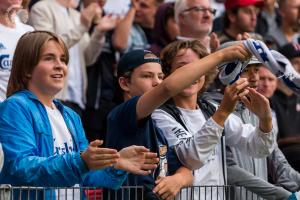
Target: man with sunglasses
<point>195,20</point>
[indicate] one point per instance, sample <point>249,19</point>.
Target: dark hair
<point>226,21</point>
<point>171,51</point>
<point>27,56</point>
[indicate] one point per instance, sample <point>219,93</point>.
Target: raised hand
<point>243,36</point>
<point>98,158</point>
<point>234,52</point>
<point>231,96</point>
<point>214,42</point>
<point>91,13</point>
<point>233,93</point>
<point>260,106</point>
<point>108,22</point>
<point>137,160</point>
<point>257,103</point>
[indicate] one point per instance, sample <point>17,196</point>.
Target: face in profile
<point>143,79</point>
<point>48,76</point>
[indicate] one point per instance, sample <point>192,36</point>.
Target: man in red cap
<point>240,17</point>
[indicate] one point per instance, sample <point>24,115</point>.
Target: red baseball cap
<point>229,4</point>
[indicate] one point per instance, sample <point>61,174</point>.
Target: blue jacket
<point>26,137</point>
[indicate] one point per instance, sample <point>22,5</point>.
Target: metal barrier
<point>125,193</point>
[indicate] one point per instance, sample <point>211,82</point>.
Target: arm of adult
<point>122,31</point>
<point>97,39</point>
<point>245,180</point>
<point>282,172</point>
<point>44,17</point>
<point>240,177</point>
<point>167,187</point>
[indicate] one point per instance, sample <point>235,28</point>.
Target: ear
<point>124,82</point>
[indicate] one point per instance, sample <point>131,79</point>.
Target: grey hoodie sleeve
<point>240,177</point>
<point>281,171</point>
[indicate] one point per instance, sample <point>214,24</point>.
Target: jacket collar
<point>33,97</point>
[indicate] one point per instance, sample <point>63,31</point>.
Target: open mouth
<point>57,76</point>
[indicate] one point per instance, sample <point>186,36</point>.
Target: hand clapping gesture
<point>134,159</point>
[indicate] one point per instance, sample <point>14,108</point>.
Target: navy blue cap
<point>134,59</point>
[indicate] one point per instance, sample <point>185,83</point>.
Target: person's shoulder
<point>73,12</point>
<point>24,28</point>
<point>18,99</point>
<point>43,4</point>
<point>45,8</point>
<point>124,108</point>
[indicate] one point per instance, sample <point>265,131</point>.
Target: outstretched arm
<point>185,76</point>
<point>122,31</point>
<point>193,149</point>
<point>44,18</point>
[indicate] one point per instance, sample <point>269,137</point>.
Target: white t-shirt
<point>8,42</point>
<point>211,172</point>
<point>63,144</point>
<point>62,139</point>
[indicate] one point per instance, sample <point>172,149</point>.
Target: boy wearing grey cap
<point>250,172</point>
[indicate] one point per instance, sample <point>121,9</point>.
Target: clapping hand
<point>98,158</point>
<point>137,160</point>
<point>107,22</point>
